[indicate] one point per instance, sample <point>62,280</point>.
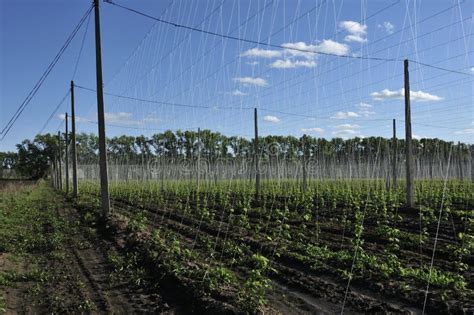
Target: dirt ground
<point>71,270</point>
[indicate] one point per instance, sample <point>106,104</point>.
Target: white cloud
<point>78,118</point>
<point>122,118</point>
<point>119,118</point>
<point>467,131</point>
<point>294,50</point>
<point>355,38</point>
<point>344,133</point>
<point>345,130</point>
<point>151,118</point>
<point>364,105</point>
<point>420,96</point>
<point>238,93</point>
<point>366,113</point>
<point>346,126</point>
<point>364,109</point>
<point>312,130</point>
<point>357,32</point>
<point>251,81</point>
<point>417,137</point>
<point>387,26</point>
<point>415,96</point>
<point>308,51</point>
<point>331,47</point>
<point>472,69</point>
<point>252,63</point>
<point>271,119</point>
<point>290,64</point>
<point>345,115</point>
<point>262,53</point>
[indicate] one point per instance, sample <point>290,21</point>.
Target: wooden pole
<point>104,181</point>
<point>408,139</point>
<point>198,166</point>
<point>55,168</point>
<point>67,156</point>
<point>73,144</point>
<point>394,154</point>
<point>305,175</point>
<point>51,172</point>
<point>256,156</point>
<point>60,175</point>
<point>471,149</point>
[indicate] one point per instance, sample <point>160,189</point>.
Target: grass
<point>32,235</point>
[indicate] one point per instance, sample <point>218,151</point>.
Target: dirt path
<point>102,286</point>
<point>51,261</point>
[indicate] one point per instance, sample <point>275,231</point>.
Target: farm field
<point>172,249</point>
<point>348,243</point>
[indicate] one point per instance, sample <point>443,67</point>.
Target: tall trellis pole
<point>66,154</point>
<point>73,143</point>
<point>60,175</point>
<point>256,155</point>
<point>394,154</point>
<point>408,139</point>
<point>104,181</point>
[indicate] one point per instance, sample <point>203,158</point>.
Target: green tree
<point>35,157</point>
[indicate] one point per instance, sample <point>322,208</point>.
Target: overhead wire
<point>54,112</point>
<point>251,41</point>
<point>6,129</point>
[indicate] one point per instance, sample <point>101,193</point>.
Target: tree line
<point>33,157</point>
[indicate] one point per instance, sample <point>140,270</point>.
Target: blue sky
<point>220,80</point>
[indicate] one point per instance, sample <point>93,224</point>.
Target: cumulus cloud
<point>346,130</point>
<point>78,118</point>
<point>346,126</point>
<point>357,32</point>
<point>415,96</point>
<point>290,64</point>
<point>467,131</point>
<point>365,109</point>
<point>238,93</point>
<point>328,46</point>
<point>251,81</point>
<point>308,51</point>
<point>300,49</point>
<point>345,115</point>
<point>472,69</point>
<point>364,105</point>
<point>261,53</point>
<point>271,119</point>
<point>344,133</point>
<point>418,137</point>
<point>122,118</point>
<point>387,27</point>
<point>119,118</point>
<point>151,118</point>
<point>312,130</point>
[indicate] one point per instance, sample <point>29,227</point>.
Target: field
<point>340,243</point>
<point>217,248</point>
